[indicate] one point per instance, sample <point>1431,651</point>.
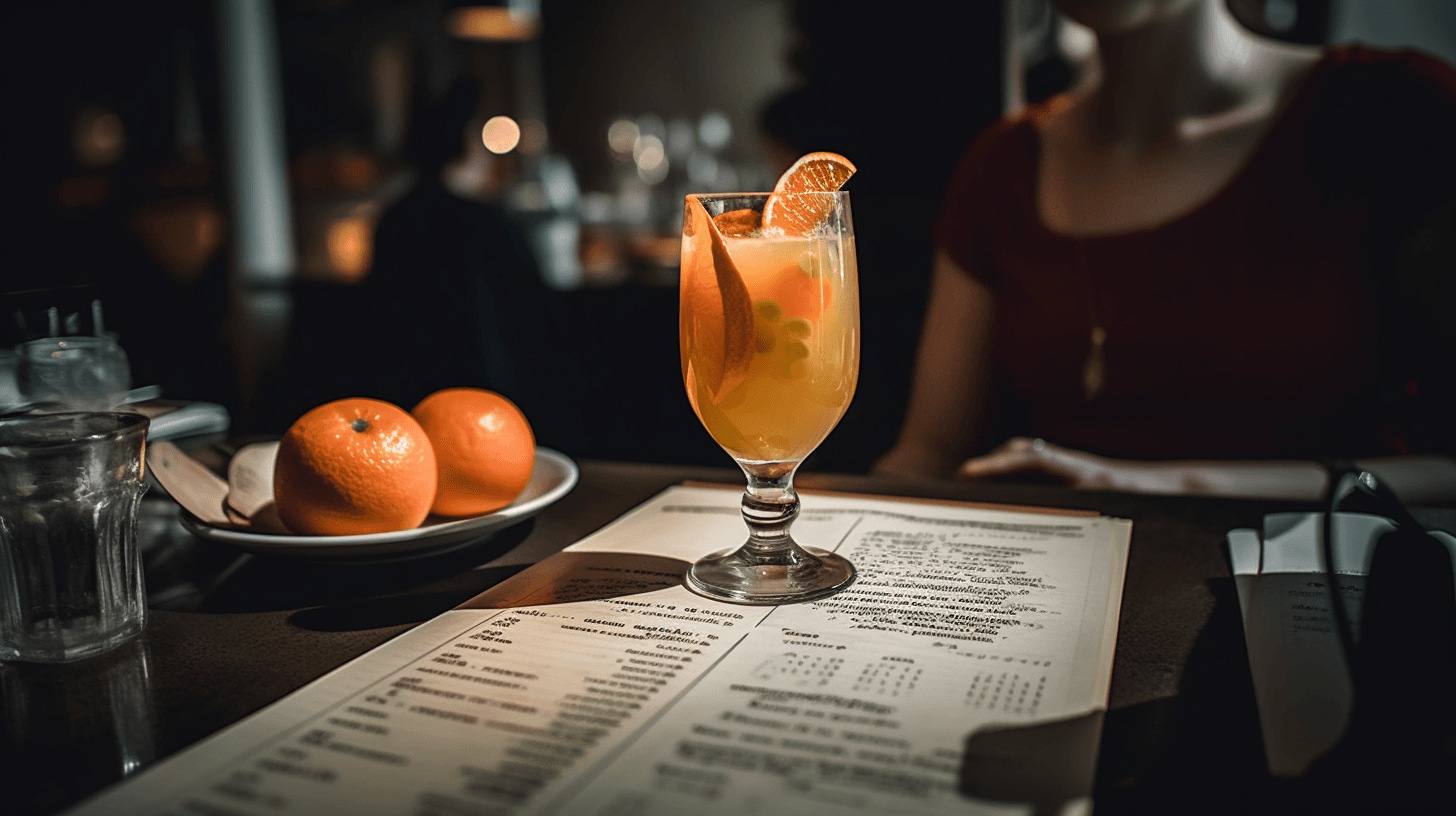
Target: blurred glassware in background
<point>75,372</point>
<point>548,198</point>
<point>631,233</point>
<point>78,373</point>
<point>63,357</point>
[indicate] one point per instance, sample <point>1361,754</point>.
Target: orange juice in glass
<point>769,334</point>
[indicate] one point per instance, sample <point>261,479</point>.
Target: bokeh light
<point>97,138</point>
<point>651,158</point>
<point>648,152</point>
<point>650,124</point>
<point>492,24</point>
<point>350,243</point>
<point>714,130</point>
<point>621,137</point>
<point>501,134</point>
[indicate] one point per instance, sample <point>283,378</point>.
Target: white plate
<point>553,476</point>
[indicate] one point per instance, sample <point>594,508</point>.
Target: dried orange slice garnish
<point>717,314</point>
<point>813,173</point>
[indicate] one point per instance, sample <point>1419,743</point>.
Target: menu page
<point>594,683</point>
<point>1286,595</point>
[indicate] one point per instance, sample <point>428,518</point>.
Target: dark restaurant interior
<point>246,221</point>
<point>273,204</point>
<point>133,136</point>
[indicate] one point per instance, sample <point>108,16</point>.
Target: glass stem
<point>770,506</point>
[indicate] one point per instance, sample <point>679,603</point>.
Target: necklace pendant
<point>1094,370</point>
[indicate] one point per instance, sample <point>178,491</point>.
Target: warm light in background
<point>501,134</point>
<point>182,235</point>
<point>350,243</point>
<point>97,137</point>
<point>355,171</point>
<point>493,24</point>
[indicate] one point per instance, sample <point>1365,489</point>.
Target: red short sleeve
<point>995,174</point>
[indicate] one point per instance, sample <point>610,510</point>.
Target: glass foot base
<point>734,576</point>
<point>57,644</point>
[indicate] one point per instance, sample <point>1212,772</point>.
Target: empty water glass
<point>70,570</point>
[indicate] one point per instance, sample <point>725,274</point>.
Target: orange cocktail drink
<point>770,336</point>
<point>769,332</point>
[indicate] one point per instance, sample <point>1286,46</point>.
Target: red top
<point>1249,327</point>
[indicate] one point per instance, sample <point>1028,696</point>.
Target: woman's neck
<point>1191,74</point>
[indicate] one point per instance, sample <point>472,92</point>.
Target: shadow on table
<point>338,596</point>
<point>584,576</point>
<point>1198,752</point>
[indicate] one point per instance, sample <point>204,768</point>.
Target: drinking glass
<point>71,582</point>
<point>769,334</point>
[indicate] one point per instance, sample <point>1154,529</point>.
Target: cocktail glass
<point>769,334</point>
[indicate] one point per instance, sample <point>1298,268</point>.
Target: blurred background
<point>283,203</point>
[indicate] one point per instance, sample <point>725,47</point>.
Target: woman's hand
<point>1415,478</point>
<point>1078,469</point>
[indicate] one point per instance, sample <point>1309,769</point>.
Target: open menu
<point>594,683</point>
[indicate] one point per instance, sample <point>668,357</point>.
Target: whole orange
<point>352,467</point>
<point>483,446</point>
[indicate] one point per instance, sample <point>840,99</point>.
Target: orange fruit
<point>813,173</point>
<point>352,467</point>
<point>484,449</point>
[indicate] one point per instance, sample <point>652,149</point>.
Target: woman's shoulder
<point>993,182</point>
<point>1007,149</point>
<point>1383,120</point>
<point>1391,65</point>
<point>1392,82</point>
<point>1018,131</point>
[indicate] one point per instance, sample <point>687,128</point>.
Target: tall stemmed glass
<point>769,333</point>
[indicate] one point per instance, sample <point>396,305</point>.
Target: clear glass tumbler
<point>70,570</point>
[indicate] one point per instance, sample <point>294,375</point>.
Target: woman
<point>1198,272</point>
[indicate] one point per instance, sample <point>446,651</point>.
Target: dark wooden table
<point>230,633</point>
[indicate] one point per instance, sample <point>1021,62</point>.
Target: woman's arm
<point>951,374</point>
<point>1414,479</point>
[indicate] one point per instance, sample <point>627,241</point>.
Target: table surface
<point>230,633</point>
